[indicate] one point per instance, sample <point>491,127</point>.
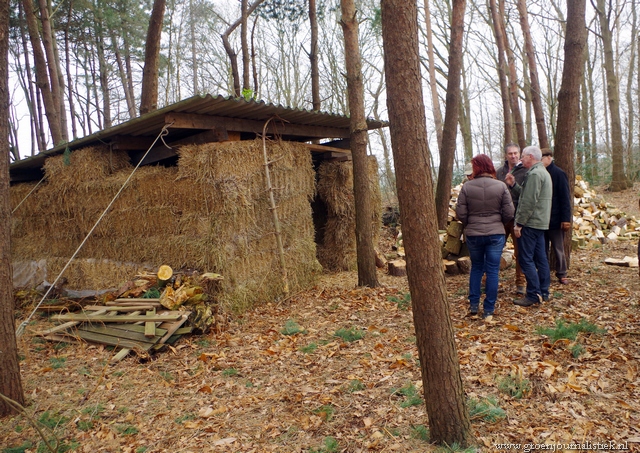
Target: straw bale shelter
<point>198,201</point>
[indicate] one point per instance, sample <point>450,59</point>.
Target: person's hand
<point>565,226</point>
<point>510,179</point>
<point>517,231</point>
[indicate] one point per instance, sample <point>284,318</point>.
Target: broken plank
<point>120,355</point>
<point>113,341</point>
<point>117,318</point>
<point>133,300</point>
<point>124,329</point>
<point>119,334</point>
<point>150,326</point>
<point>123,308</point>
<point>66,325</point>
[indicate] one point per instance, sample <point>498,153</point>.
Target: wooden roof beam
<point>195,121</point>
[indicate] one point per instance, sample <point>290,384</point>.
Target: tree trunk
<point>365,249</point>
<point>33,101</point>
<point>56,78</point>
<point>464,119</point>
<point>233,56</point>
<point>444,394</point>
<point>246,61</point>
<point>433,82</point>
<point>513,82</point>
<point>131,103</point>
<point>450,129</point>
<point>149,96</point>
<point>313,57</point>
<point>536,98</point>
<point>51,109</point>
<point>10,381</point>
<point>103,67</point>
<point>194,53</point>
<point>618,179</point>
<point>67,53</point>
<point>569,97</point>
<point>632,168</point>
<point>502,71</point>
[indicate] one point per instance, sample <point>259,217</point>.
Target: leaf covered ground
<point>334,369</point>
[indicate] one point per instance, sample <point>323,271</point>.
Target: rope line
<point>27,195</point>
<point>163,133</point>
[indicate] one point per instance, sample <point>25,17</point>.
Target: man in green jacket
<point>531,222</point>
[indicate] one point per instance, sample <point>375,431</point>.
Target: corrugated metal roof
<point>150,124</point>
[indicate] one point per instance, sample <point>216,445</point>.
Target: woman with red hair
<point>484,206</point>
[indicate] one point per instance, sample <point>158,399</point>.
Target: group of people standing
<point>527,198</point>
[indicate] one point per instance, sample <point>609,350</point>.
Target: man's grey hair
<point>534,151</point>
<point>511,145</point>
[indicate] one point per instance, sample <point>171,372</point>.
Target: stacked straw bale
<point>210,213</point>
<point>335,188</point>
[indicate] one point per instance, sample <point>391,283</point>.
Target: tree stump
<point>397,268</point>
<point>451,267</point>
<point>464,264</point>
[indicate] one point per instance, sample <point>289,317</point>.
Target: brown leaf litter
<point>253,388</point>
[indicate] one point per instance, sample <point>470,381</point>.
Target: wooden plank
<point>119,334</point>
<point>66,325</point>
<point>117,318</point>
<point>150,326</point>
<point>176,325</point>
<point>122,308</point>
<point>135,328</point>
<point>195,121</point>
<point>134,300</point>
<point>113,341</point>
<point>120,355</point>
<point>320,148</point>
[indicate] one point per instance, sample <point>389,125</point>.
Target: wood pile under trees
<point>211,213</point>
<point>594,220</point>
<point>337,250</point>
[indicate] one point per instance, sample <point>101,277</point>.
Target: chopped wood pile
<point>594,221</point>
<point>132,319</point>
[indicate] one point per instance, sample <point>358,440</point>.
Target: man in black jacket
<point>512,165</point>
<point>561,214</point>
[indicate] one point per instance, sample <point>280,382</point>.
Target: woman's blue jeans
<point>485,253</point>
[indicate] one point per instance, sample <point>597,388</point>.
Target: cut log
<point>464,264</point>
<point>616,262</point>
<point>453,245</point>
<point>397,268</point>
<point>455,229</point>
<point>381,262</point>
<point>450,267</point>
<point>505,260</point>
<point>164,275</point>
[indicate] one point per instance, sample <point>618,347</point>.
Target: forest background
<point>93,50</point>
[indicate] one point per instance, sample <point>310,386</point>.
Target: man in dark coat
<point>512,165</point>
<point>561,214</point>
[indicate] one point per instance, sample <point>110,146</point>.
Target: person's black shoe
<point>525,302</point>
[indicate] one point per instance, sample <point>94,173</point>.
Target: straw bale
<point>211,213</point>
<point>335,188</point>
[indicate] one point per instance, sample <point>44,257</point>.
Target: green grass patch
<point>85,425</point>
<point>52,421</point>
<point>166,376</point>
<point>141,449</point>
<point>309,349</point>
<point>126,430</point>
<point>329,445</point>
<point>203,343</point>
<point>410,394</point>
<point>568,331</point>
<point>57,362</point>
<point>292,328</point>
<point>62,448</point>
<point>325,412</point>
<point>151,293</point>
<point>350,334</point>
<point>60,346</point>
<point>576,350</point>
<point>355,385</point>
<point>183,418</point>
<point>19,449</point>
<point>515,386</point>
<point>455,448</point>
<point>229,372</point>
<point>403,301</point>
<point>420,432</point>
<point>485,409</point>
